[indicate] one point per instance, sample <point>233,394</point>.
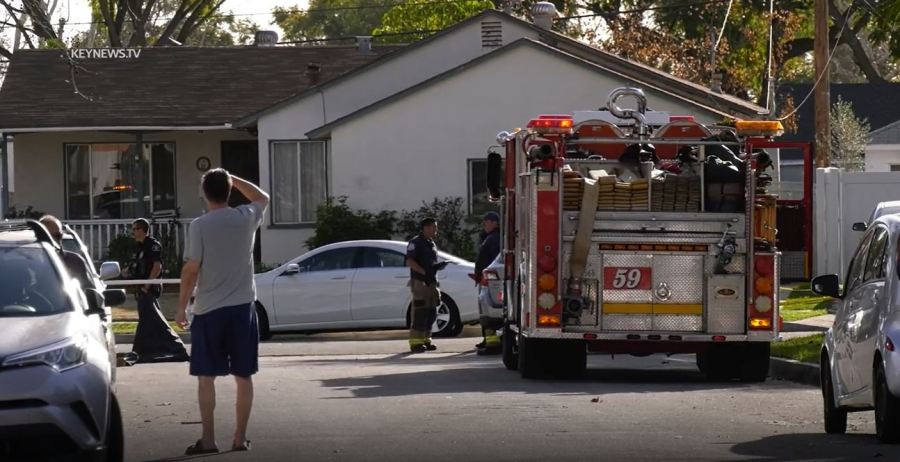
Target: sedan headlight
<point>61,356</point>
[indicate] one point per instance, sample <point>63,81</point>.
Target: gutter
<point>167,128</point>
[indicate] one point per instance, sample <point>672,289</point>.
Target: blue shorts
<point>225,341</point>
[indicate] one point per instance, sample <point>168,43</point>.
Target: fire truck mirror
<point>494,167</point>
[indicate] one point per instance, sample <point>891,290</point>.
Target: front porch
<point>108,239</point>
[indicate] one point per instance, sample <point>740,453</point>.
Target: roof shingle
<point>166,86</point>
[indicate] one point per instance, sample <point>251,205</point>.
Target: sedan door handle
<point>338,278</point>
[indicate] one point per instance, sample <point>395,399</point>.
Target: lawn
<point>803,349</point>
<point>802,303</point>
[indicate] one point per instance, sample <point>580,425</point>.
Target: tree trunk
<point>849,37</point>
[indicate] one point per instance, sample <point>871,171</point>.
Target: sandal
<point>197,449</point>
<point>245,446</point>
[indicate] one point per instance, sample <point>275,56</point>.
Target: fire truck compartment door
<point>657,292</point>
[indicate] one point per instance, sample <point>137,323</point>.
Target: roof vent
<point>543,13</point>
<point>364,44</point>
<point>313,73</point>
<point>265,38</point>
<point>491,34</point>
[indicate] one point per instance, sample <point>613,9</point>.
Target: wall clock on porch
<point>203,163</point>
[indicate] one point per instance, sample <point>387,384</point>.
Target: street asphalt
<point>337,397</point>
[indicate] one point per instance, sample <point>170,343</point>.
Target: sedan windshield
<point>30,285</point>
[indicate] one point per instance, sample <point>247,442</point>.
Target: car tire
<point>887,409</point>
<point>510,349</point>
<point>453,326</point>
<point>532,355</point>
<point>835,418</point>
<point>262,321</point>
<point>572,356</point>
<point>719,362</point>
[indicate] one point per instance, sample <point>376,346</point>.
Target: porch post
<point>4,186</point>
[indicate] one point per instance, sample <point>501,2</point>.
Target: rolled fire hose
<point>582,246</point>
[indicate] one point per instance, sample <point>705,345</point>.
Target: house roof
<point>649,76</point>
<point>164,86</point>
<point>524,42</point>
<point>889,134</point>
<point>878,103</point>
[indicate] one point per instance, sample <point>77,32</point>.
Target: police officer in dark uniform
<point>487,252</point>
<point>154,339</point>
<point>422,259</point>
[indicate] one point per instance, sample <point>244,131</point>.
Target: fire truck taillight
<point>546,300</point>
<point>762,311</point>
<point>551,124</point>
<point>548,320</point>
<point>547,282</point>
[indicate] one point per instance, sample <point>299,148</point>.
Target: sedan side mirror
<point>827,285</point>
<point>95,302</point>
<point>114,297</point>
<point>109,270</point>
<point>292,268</point>
<point>860,226</point>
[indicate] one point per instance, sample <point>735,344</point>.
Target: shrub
<point>336,222</point>
<point>15,214</point>
<point>455,232</point>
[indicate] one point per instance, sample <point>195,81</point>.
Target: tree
<point>134,23</point>
<point>427,18</point>
<point>329,19</point>
<point>849,137</point>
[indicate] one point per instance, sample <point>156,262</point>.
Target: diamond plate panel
<point>678,323</point>
<point>626,296</point>
<point>738,264</point>
<point>678,279</point>
<point>725,313</point>
<point>793,265</point>
<point>628,322</point>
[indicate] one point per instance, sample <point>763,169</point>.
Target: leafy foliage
<point>328,19</point>
<point>849,137</point>
<point>426,17</point>
<point>455,233</point>
<point>29,213</point>
<point>336,222</point>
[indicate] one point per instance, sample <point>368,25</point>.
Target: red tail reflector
<point>718,338</point>
<point>889,344</point>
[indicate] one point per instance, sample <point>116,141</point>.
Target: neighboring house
<point>883,151</point>
<point>387,128</point>
<point>876,103</point>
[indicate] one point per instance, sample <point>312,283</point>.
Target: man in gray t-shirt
<point>224,331</point>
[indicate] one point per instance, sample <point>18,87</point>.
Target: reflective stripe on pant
<point>489,327</point>
<point>426,299</point>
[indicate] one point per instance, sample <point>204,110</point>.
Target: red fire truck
<point>635,231</point>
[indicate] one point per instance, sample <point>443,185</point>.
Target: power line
<point>827,66</point>
<point>353,37</point>
<point>640,10</point>
<point>724,23</point>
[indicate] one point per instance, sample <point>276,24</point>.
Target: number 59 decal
<point>620,278</point>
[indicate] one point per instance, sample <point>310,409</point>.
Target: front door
<point>241,158</point>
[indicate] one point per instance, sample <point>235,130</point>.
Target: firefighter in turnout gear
<point>422,260</point>
<point>487,252</point>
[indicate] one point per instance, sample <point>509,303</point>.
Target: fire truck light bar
<point>546,124</point>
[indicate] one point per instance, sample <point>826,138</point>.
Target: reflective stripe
<point>417,341</point>
<point>648,308</point>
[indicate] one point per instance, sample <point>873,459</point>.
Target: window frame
<point>861,251</point>
<point>90,145</point>
<point>878,274</point>
<point>298,142</point>
<point>354,259</point>
<point>361,259</point>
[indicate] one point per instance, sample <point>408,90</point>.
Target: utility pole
<point>823,87</point>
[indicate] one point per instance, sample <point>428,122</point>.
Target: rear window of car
<point>30,285</point>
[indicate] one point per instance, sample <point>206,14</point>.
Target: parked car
<point>57,369</point>
<point>859,365</point>
<point>357,285</point>
<point>883,208</point>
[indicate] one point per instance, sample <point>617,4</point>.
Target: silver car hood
<point>21,334</point>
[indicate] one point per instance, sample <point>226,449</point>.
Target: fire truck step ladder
<point>581,247</point>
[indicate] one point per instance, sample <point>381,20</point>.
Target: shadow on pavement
<point>490,378</point>
<point>817,446</point>
<point>794,327</point>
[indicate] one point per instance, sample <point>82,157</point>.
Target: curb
<point>794,371</point>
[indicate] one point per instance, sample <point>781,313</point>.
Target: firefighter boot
<point>491,343</point>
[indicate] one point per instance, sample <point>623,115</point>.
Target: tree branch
<point>860,57</point>
<point>106,11</point>
<point>195,20</point>
<point>179,15</point>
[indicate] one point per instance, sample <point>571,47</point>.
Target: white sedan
<point>358,285</point>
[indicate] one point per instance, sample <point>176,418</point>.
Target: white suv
<point>57,378</point>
